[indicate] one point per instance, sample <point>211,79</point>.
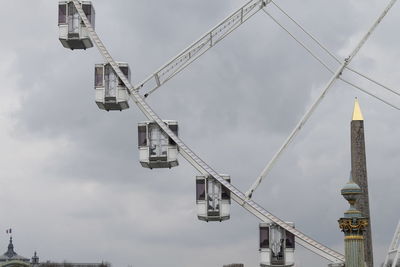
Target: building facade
<point>11,259</point>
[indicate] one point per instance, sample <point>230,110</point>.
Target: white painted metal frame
<point>394,249</point>
<point>200,165</point>
<point>202,45</point>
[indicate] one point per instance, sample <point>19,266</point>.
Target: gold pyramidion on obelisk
<point>357,115</point>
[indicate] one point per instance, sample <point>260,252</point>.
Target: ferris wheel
<point>158,141</point>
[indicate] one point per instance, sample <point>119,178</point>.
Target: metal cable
<point>299,42</point>
<point>319,43</point>
<point>306,32</point>
<point>369,93</point>
<point>328,68</point>
<point>376,82</point>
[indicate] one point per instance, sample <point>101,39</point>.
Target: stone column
<point>353,225</point>
<point>353,240</point>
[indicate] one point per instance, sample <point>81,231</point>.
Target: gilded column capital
<point>353,225</point>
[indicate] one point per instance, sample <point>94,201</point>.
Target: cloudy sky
<point>71,184</point>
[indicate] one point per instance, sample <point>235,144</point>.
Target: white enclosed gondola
<point>276,245</point>
<point>73,33</point>
<point>111,93</point>
<point>213,200</point>
<point>156,149</point>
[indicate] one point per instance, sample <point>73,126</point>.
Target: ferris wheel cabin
<point>156,149</point>
<point>111,93</point>
<point>276,245</point>
<point>72,31</point>
<point>213,200</point>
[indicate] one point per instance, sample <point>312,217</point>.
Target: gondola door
<point>158,143</point>
<point>110,79</point>
<point>213,197</point>
<point>73,21</point>
<point>277,245</point>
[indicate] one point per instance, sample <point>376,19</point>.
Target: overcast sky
<point>73,188</point>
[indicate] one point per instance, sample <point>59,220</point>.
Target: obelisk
<point>359,174</point>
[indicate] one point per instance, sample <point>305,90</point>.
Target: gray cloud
<point>73,187</point>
